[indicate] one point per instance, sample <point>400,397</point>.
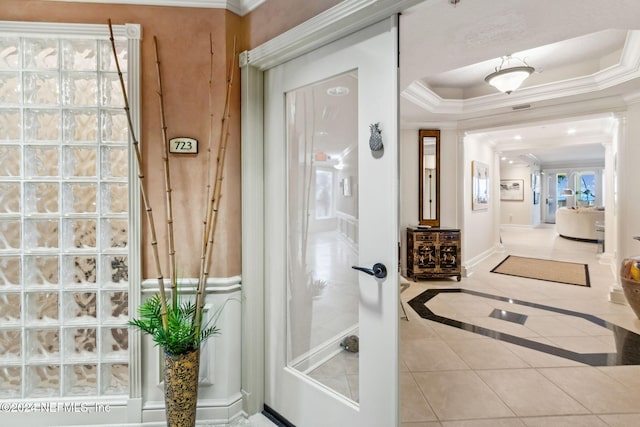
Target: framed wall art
<point>480,186</point>
<point>512,189</point>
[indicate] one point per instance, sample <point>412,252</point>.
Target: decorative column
<point>612,215</point>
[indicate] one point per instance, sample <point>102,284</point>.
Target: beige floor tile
<point>486,354</point>
<point>331,368</point>
<point>499,422</point>
<point>529,393</point>
<point>350,361</point>
<point>458,395</point>
<point>337,383</point>
<point>354,386</point>
<point>416,329</point>
<point>539,359</point>
<point>584,344</point>
<point>471,306</point>
<point>627,375</point>
<point>430,355</point>
<point>593,389</point>
<point>520,308</point>
<point>427,424</point>
<point>413,406</point>
<point>553,325</point>
<point>621,420</point>
<point>450,333</point>
<point>568,421</point>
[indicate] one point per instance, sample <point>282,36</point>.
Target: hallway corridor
<point>456,378</point>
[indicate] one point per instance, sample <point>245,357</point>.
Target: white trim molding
<point>336,22</point>
<point>239,7</point>
<point>214,284</point>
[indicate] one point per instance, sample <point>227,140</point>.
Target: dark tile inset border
<point>627,342</point>
<point>508,316</point>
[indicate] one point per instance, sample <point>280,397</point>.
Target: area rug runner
<point>544,269</point>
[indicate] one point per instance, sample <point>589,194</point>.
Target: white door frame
<point>345,18</point>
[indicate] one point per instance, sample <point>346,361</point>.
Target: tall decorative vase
<point>181,388</point>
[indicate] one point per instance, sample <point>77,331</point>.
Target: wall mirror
<point>429,176</point>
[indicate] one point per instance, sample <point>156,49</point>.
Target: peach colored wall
<point>183,39</point>
<point>277,16</point>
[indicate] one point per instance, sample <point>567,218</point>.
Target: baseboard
<point>616,295</point>
<point>469,265</point>
<point>528,226</point>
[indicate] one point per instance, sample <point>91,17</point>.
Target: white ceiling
<point>586,60</point>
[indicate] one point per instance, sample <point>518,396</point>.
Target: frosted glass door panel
<point>322,230</point>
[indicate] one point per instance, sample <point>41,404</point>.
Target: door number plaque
<point>183,145</point>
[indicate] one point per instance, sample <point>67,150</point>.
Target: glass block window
<point>64,217</point>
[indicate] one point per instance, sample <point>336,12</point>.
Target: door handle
<point>378,270</point>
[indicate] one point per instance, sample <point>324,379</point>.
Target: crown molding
<point>632,98</point>
<point>247,6</point>
<point>129,31</point>
<point>628,68</point>
<point>334,23</point>
<point>239,7</point>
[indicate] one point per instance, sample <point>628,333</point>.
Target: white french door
<point>331,202</point>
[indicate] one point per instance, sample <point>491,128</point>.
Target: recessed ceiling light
<point>571,131</point>
<point>338,91</point>
<point>518,137</point>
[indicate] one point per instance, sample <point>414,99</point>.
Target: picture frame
<point>512,189</point>
<point>479,186</point>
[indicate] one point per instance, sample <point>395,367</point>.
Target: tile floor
<point>455,378</point>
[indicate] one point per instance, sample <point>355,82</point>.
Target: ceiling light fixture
<point>508,78</point>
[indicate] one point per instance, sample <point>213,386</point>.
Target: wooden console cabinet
<point>433,253</point>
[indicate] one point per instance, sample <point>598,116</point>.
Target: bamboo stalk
<point>216,194</point>
<point>167,182</point>
<point>209,200</point>
<point>141,181</point>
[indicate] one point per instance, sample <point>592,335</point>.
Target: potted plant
<point>174,319</point>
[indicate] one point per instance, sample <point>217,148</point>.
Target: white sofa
<point>579,222</point>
